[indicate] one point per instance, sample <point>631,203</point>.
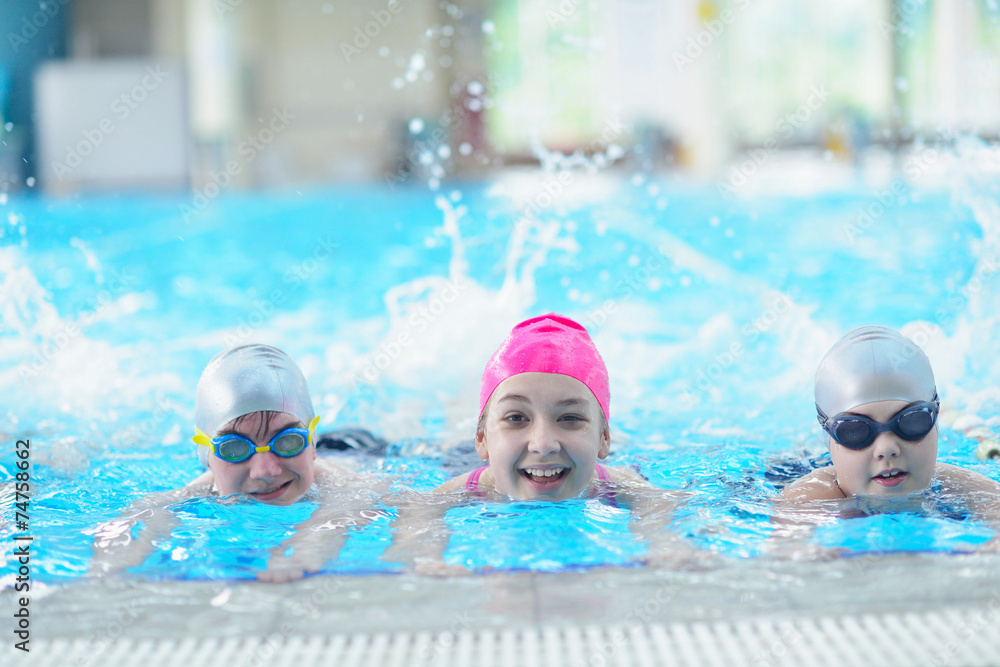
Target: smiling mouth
<point>890,477</point>
<point>272,493</point>
<point>543,476</point>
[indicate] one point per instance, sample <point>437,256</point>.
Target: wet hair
<point>262,428</point>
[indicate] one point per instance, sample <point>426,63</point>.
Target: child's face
<point>266,477</point>
<point>859,472</point>
<point>543,435</point>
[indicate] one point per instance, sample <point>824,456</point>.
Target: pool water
<point>711,314</point>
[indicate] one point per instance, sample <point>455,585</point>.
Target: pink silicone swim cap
<point>548,344</point>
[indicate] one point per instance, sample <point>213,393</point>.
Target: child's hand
<point>680,556</point>
<point>993,546</point>
<point>289,570</point>
<point>435,567</point>
<point>282,569</point>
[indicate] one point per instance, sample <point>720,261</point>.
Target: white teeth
<point>551,472</point>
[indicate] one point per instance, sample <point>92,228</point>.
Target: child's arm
<point>316,541</point>
<point>981,494</point>
<point>652,510</point>
<point>422,534</point>
<point>820,484</point>
<point>114,548</point>
<point>320,538</point>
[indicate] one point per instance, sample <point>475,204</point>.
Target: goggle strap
<point>201,438</point>
<point>312,428</point>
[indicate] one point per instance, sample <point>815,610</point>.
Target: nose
<point>886,446</point>
<point>543,439</point>
<point>264,465</point>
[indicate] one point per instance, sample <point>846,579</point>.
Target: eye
<point>515,418</point>
<point>572,418</point>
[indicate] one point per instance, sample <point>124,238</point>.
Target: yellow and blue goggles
<point>236,448</point>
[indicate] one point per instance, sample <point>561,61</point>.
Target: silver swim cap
<point>872,364</point>
<point>250,378</point>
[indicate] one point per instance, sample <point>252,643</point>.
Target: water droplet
<point>444,151</point>
<point>465,148</point>
<point>488,27</point>
<point>475,88</point>
<point>384,52</point>
<point>30,181</point>
<point>416,125</point>
<point>902,84</point>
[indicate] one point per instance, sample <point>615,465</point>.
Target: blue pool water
<point>711,314</point>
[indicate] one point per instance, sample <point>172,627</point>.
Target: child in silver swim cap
<point>255,424</point>
<point>877,400</point>
<point>255,428</point>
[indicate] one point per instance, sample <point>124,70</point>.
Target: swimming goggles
<point>857,432</point>
<point>236,448</point>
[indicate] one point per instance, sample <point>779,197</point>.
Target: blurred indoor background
<point>115,95</point>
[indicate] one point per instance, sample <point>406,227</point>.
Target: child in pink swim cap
<point>543,428</point>
<point>544,403</point>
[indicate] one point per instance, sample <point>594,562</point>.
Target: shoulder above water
<point>820,484</point>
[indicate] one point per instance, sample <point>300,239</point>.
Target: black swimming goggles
<point>911,423</point>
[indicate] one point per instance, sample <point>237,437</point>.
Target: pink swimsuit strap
<point>472,481</point>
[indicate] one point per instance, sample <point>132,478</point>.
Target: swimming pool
<point>711,314</point>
